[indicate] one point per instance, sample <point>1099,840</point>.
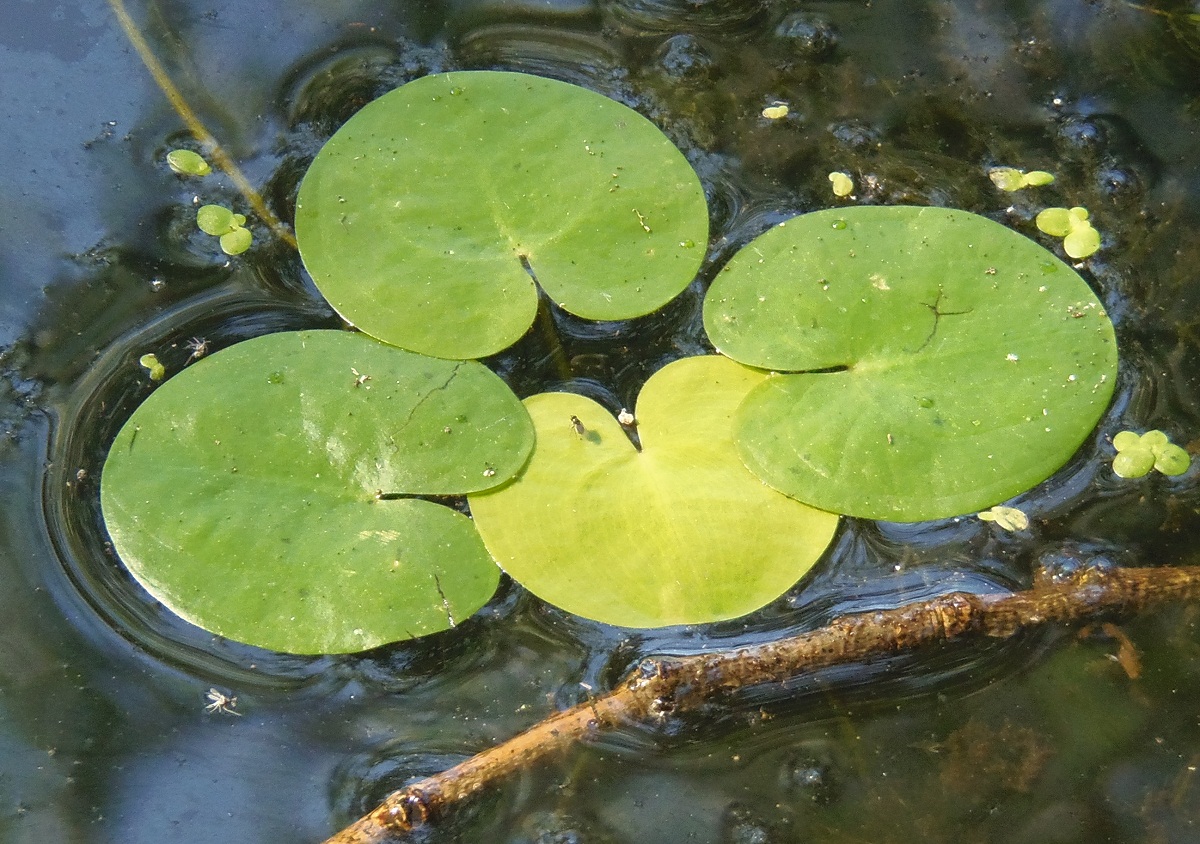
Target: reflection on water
<point>102,721</point>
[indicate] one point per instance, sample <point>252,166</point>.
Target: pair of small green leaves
<point>1138,454</point>
<point>841,183</point>
<point>153,366</point>
<point>1011,179</point>
<point>1080,238</point>
<point>219,221</point>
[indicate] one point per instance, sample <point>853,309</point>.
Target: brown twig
<point>660,686</point>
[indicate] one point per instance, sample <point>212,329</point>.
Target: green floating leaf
<point>943,362</point>
<point>1134,463</point>
<point>217,220</point>
<point>1007,178</point>
<point>438,204</point>
<point>187,163</point>
<point>1172,460</point>
<point>1081,242</point>
<point>237,241</point>
<point>679,533</point>
<point>259,493</point>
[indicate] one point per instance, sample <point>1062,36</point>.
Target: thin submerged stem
<point>196,126</point>
<point>661,686</point>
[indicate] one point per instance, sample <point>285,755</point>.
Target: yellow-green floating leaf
<point>679,533</point>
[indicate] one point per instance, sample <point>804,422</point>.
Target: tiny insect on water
<point>220,702</point>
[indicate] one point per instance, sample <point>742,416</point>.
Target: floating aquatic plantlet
<point>1009,518</point>
<point>219,221</point>
<point>775,112</point>
<point>843,185</point>
<point>1080,239</point>
<point>187,163</point>
<point>1011,179</point>
<point>1138,454</point>
<point>151,364</point>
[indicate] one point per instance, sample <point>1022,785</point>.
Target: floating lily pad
<point>260,493</point>
<point>678,533</point>
<point>437,204</point>
<point>943,363</point>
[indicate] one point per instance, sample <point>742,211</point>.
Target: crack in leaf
<point>937,317</point>
<point>380,495</point>
<point>425,398</point>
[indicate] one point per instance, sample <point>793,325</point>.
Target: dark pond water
<point>103,732</point>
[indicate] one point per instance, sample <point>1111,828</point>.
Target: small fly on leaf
<point>578,428</point>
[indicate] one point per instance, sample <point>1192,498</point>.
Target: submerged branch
<point>196,126</point>
<point>662,686</point>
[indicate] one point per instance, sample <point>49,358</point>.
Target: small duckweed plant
<point>185,162</point>
<point>894,363</point>
<point>153,367</point>
<point>1011,179</point>
<point>215,220</point>
<point>221,222</point>
<point>841,183</point>
<point>1080,239</point>
<point>1138,454</point>
<point>1007,518</point>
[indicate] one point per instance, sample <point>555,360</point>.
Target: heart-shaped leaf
<point>948,363</point>
<point>437,204</point>
<point>262,492</point>
<point>678,533</point>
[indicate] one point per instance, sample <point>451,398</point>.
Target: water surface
<point>103,731</point>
